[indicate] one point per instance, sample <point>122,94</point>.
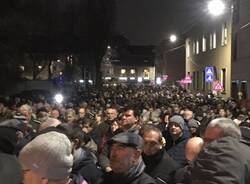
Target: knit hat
<point>49,155</point>
<point>179,120</point>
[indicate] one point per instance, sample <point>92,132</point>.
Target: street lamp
<point>173,38</point>
<point>216,7</point>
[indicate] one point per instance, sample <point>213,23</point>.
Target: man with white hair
<point>224,160</point>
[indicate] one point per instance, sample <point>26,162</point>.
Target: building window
<point>210,41</point>
<point>132,71</point>
<point>146,73</point>
<point>203,80</point>
<point>243,89</point>
<point>223,78</point>
<point>214,40</point>
<point>204,44</point>
<point>188,49</point>
<point>123,71</point>
<point>197,80</point>
<point>193,47</point>
<point>224,34</point>
<point>197,47</point>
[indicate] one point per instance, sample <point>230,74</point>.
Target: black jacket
<point>161,167</point>
<point>84,165</point>
<point>175,149</point>
<point>223,161</point>
<point>135,175</point>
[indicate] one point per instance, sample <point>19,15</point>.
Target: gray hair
<point>227,126</point>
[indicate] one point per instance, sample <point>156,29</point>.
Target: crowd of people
<point>125,135</point>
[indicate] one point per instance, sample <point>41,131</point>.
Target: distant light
<point>81,81</point>
<point>115,84</point>
<point>107,78</point>
<point>216,7</point>
<point>132,71</point>
<point>132,78</point>
<point>108,47</point>
<point>90,81</point>
<point>158,81</point>
<point>58,98</point>
<point>173,38</point>
<point>123,78</point>
<point>21,67</point>
<point>60,73</point>
<point>40,67</point>
<point>139,79</point>
<point>58,60</point>
<point>123,71</point>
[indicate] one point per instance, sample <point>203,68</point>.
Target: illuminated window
<point>146,73</point>
<point>214,40</point>
<point>123,71</point>
<point>197,47</point>
<point>224,34</point>
<point>188,49</point>
<point>204,44</point>
<point>193,47</point>
<point>132,71</point>
<point>210,41</point>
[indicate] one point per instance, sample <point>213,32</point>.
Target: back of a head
<point>48,155</point>
<point>49,122</point>
<point>193,147</point>
<point>227,126</point>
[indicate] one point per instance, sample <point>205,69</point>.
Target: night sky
<point>146,22</point>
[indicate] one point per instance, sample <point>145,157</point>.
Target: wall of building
<point>241,62</point>
<point>219,57</point>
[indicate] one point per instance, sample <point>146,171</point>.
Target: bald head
<point>193,148</point>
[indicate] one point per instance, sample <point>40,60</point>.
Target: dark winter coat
<point>84,165</point>
<point>175,149</point>
<point>161,167</point>
<point>134,176</point>
<point>223,161</point>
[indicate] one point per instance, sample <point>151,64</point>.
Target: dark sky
<point>146,22</point>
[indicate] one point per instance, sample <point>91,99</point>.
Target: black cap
<point>128,139</point>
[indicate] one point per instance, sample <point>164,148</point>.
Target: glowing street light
<point>173,38</point>
<point>158,81</point>
<point>58,98</point>
<point>216,7</point>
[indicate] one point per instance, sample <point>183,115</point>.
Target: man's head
<point>129,118</point>
<point>176,126</point>
<point>81,112</point>
<point>70,115</point>
<point>48,155</point>
<point>193,148</point>
<point>221,127</point>
<point>26,111</point>
<point>188,114</point>
<point>153,140</point>
<point>111,113</point>
<point>55,113</point>
<point>222,113</point>
<point>125,151</point>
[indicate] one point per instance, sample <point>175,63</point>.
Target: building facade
<point>221,43</point>
<point>135,64</point>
